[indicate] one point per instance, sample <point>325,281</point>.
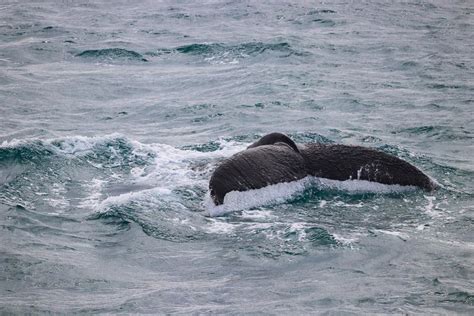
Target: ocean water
<point>113,115</point>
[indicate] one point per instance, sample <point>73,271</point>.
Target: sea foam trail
<point>281,192</point>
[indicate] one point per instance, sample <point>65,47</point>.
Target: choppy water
<point>114,114</point>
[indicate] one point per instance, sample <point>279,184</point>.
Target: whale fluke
<point>275,158</point>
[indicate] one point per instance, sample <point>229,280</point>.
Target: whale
<point>276,158</point>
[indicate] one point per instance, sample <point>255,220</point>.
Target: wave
<point>24,151</point>
<point>244,50</point>
<point>319,16</point>
<point>164,223</point>
<point>114,146</point>
<point>112,54</point>
<point>228,53</point>
<point>106,149</point>
<point>439,132</point>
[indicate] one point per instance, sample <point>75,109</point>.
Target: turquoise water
<point>114,115</point>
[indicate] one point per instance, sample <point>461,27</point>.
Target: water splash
<point>281,192</point>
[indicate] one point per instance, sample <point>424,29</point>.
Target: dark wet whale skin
<point>275,158</point>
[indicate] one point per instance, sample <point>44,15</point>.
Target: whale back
<point>256,168</point>
<point>343,162</point>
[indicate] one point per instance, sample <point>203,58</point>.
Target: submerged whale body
<point>275,158</point>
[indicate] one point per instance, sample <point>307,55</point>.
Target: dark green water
<point>114,115</point>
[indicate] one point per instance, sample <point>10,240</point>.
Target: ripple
<point>164,223</point>
<point>439,132</point>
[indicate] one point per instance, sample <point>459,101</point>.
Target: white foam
<point>58,204</point>
<point>423,226</point>
<point>131,196</point>
<point>348,205</point>
<point>299,229</point>
<point>94,189</point>
<point>77,145</point>
<point>400,235</point>
<point>281,192</point>
<point>346,241</point>
<point>361,186</point>
<point>256,226</point>
<point>18,142</point>
<point>257,215</point>
<point>172,168</point>
<point>433,209</point>
<point>137,172</point>
<point>219,227</point>
<point>276,193</point>
<point>56,198</point>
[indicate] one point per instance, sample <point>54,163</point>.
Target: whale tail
<point>275,158</point>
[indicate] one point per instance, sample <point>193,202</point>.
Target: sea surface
<point>113,115</point>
